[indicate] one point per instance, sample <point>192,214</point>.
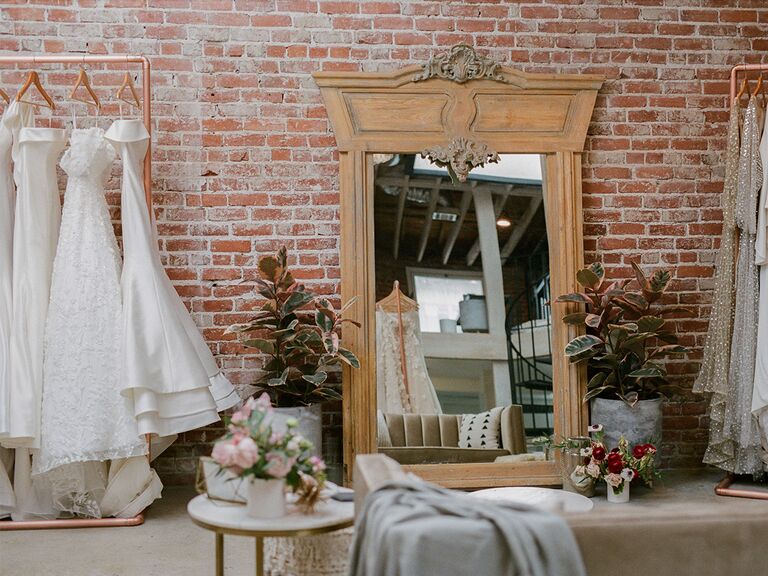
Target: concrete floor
<point>167,544</point>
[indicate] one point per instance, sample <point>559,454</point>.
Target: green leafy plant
<point>627,335</point>
<point>299,332</point>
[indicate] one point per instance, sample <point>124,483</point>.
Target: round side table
<point>225,518</point>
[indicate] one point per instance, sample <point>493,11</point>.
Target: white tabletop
<point>220,516</point>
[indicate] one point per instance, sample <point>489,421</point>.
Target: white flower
<point>580,471</point>
<point>586,452</point>
<point>628,474</point>
<point>595,428</point>
<point>293,445</point>
<point>593,469</point>
<point>614,480</point>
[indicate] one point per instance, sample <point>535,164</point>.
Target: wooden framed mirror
<point>461,180</point>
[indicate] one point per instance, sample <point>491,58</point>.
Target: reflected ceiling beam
<point>520,227</point>
<point>400,213</point>
<point>428,217</point>
<point>466,200</point>
<point>527,190</point>
<point>498,206</point>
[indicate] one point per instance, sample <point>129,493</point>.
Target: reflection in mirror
<point>463,329</point>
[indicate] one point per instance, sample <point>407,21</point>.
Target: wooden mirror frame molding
<point>463,107</point>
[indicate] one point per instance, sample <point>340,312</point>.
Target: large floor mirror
<point>461,217</point>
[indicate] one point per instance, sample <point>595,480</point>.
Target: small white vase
<point>266,498</point>
<point>621,498</point>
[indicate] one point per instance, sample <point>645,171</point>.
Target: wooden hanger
<point>134,96</point>
<point>744,86</point>
<point>82,80</point>
<point>34,80</point>
<point>759,88</point>
<point>4,96</point>
<point>397,301</point>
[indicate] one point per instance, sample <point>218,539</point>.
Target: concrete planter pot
<point>638,424</point>
<point>310,423</point>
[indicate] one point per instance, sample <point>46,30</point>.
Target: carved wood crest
<point>460,64</point>
<point>461,156</point>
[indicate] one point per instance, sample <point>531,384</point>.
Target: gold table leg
<point>259,556</point>
<point>219,554</point>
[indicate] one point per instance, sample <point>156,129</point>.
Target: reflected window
<point>439,296</point>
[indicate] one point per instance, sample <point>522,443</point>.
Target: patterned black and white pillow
<point>481,430</point>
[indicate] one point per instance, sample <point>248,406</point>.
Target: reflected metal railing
<point>529,328</point>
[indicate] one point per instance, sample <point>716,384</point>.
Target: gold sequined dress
<point>713,374</point>
<point>739,425</point>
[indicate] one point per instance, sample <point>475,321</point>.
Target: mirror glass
<point>463,326</point>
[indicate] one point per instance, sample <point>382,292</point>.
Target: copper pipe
<point>73,523</point>
<point>723,488</point>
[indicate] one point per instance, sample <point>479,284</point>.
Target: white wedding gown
<point>35,233</point>
<point>85,419</point>
<point>14,116</point>
<point>167,369</point>
<point>420,398</point>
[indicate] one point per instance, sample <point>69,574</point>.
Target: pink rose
<point>224,453</point>
<point>240,417</point>
<point>263,403</point>
<point>614,480</point>
<point>318,465</point>
<point>246,453</point>
<point>279,464</point>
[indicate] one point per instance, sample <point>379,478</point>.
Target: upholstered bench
<point>434,438</point>
<point>678,529</point>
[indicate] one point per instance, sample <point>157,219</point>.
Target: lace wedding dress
<point>85,419</point>
<point>167,369</point>
<point>393,397</point>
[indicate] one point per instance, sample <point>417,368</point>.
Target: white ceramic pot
<point>266,498</point>
<point>638,424</point>
<point>310,420</point>
<point>621,498</point>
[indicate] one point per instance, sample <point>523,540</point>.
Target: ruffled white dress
<point>85,419</point>
<point>167,369</point>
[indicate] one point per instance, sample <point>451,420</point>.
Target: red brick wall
<point>245,158</point>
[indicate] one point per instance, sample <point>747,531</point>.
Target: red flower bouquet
<point>620,466</point>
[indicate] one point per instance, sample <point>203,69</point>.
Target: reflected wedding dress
<point>85,419</point>
<point>167,369</point>
<point>392,395</point>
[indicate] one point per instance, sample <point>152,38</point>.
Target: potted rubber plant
<point>300,335</point>
<point>625,347</point>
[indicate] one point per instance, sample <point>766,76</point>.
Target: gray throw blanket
<point>418,529</point>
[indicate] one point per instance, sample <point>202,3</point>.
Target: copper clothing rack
<point>70,59</point>
<point>723,488</point>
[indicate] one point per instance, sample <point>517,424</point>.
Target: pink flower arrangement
<point>252,448</point>
<point>618,467</point>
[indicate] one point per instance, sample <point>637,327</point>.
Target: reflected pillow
<point>383,439</point>
<point>481,430</point>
